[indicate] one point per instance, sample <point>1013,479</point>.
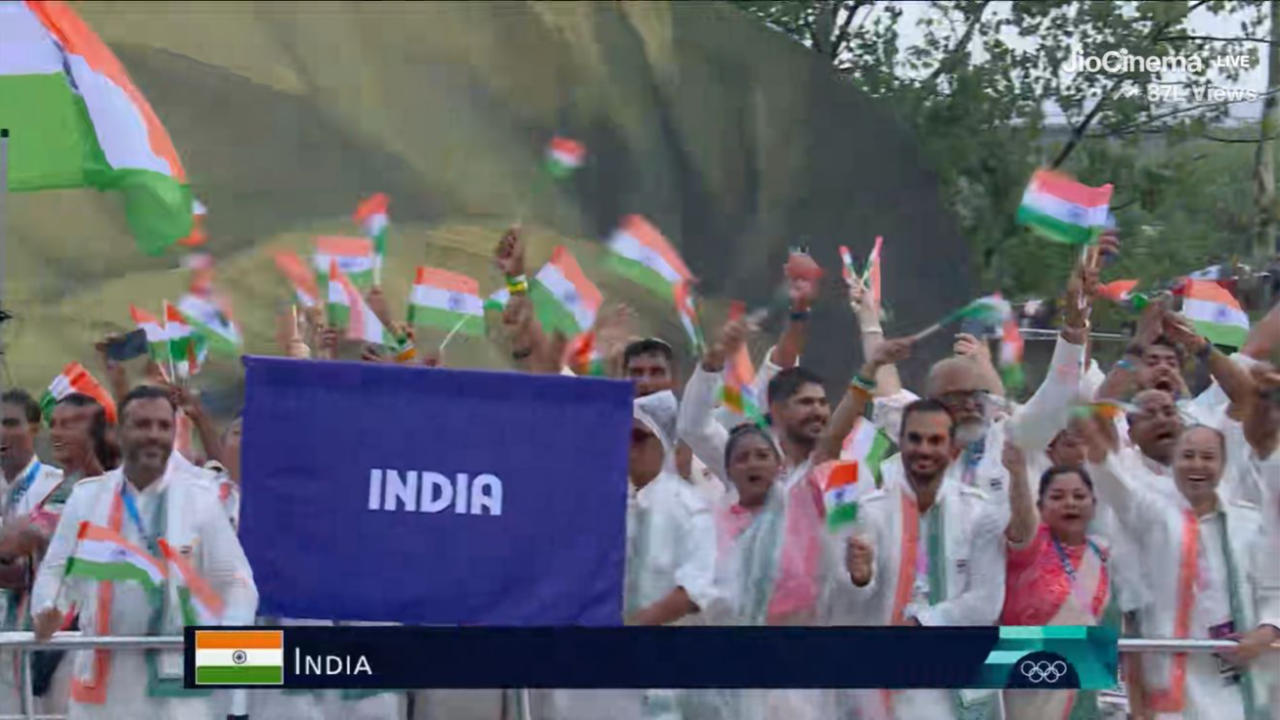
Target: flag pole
<point>4,192</point>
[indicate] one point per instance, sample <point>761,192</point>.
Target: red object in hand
<point>800,265</point>
<point>737,309</point>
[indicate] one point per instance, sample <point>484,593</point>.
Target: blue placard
<point>428,496</point>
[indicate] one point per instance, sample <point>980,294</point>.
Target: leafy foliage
<point>992,92</point>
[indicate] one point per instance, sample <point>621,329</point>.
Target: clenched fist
<point>858,556</point>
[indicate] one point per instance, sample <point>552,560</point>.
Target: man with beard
<point>938,559</point>
<point>150,507</point>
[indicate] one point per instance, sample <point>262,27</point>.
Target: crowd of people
<point>1116,498</point>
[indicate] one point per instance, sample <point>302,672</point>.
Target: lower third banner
<point>386,493</point>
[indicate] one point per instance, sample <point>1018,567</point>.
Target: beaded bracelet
<point>862,383</point>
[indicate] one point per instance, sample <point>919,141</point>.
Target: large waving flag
<point>72,380</point>
<point>643,255</point>
<point>299,276</point>
<point>1215,313</point>
<point>103,554</point>
<point>446,299</point>
<point>371,215</point>
<point>563,298</point>
<point>348,310</point>
<point>212,320</point>
<point>354,256</point>
<point>77,120</point>
<point>1063,210</point>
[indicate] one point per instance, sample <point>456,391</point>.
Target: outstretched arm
<point>854,403</point>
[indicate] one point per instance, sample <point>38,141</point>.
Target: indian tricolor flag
<point>200,603</point>
<point>197,236</point>
<point>447,300</point>
<point>72,380</point>
<point>348,310</point>
<point>868,445</point>
<point>371,215</point>
<point>1215,312</point>
<point>157,341</point>
<point>102,554</point>
<point>1012,346</point>
<point>213,321</point>
<point>77,120</point>
<point>239,657</point>
<point>688,313</point>
<point>1118,291</point>
<point>643,255</point>
<point>564,156</point>
<point>299,276</point>
<point>563,298</point>
<point>872,276</point>
<point>1063,210</point>
<point>736,393</point>
<point>185,346</point>
<point>354,256</point>
<point>843,485</point>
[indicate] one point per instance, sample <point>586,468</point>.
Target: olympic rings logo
<point>1043,671</point>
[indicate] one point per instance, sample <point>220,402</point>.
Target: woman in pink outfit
<point>1057,573</point>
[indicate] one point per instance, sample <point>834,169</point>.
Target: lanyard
<point>131,508</point>
<point>22,486</point>
<point>1067,567</point>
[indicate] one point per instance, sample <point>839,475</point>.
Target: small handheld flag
<point>1060,209</point>
<point>848,271</point>
<point>104,555</point>
<point>372,217</point>
<point>564,156</point>
<point>842,488</point>
<point>302,279</point>
<point>1215,313</point>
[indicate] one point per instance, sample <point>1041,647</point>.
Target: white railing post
<point>28,696</point>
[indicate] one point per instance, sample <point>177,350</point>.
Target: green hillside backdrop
<point>730,138</point>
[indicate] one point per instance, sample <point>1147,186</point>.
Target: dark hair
<point>1166,342</point>
<point>104,450</point>
<point>648,346</point>
<point>1057,471</point>
<point>788,382</point>
<point>928,405</point>
<point>744,430</point>
<point>23,399</point>
<point>145,392</point>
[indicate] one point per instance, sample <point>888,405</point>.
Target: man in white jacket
<point>938,559</point>
<point>145,503</point>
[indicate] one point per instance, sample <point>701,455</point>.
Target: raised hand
<point>733,334</point>
<point>509,254</point>
<point>1180,330</point>
<point>803,275</point>
<point>1013,459</point>
<point>859,557</point>
<point>891,352</point>
<point>967,345</point>
<point>1099,436</point>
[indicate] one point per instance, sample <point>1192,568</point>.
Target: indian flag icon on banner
<point>564,156</point>
<point>239,657</point>
<point>354,256</point>
<point>444,299</point>
<point>1215,313</point>
<point>641,254</point>
<point>102,554</point>
<point>77,120</point>
<point>842,486</point>
<point>1063,210</point>
<point>563,298</point>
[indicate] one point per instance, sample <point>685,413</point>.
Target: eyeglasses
<point>964,398</point>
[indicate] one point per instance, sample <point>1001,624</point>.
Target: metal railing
<point>24,642</point>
